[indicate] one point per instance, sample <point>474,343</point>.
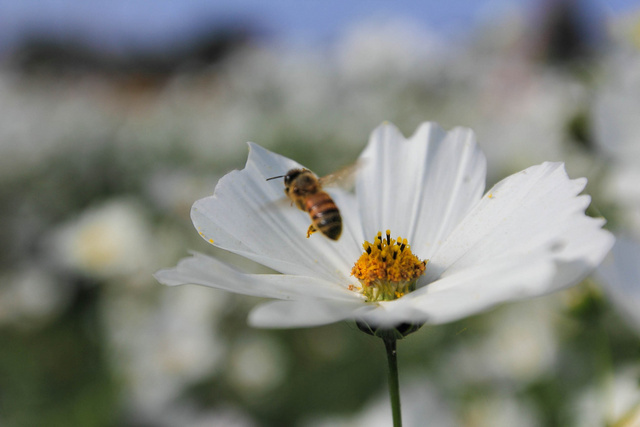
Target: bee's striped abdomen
<point>324,214</point>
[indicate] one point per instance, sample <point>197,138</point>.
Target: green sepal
<point>398,332</point>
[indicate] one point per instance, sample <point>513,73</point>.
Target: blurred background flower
<point>116,116</point>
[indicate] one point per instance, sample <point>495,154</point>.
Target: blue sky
<point>116,24</point>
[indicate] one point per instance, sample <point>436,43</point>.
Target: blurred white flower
<point>257,364</point>
<point>525,338</point>
<point>616,108</point>
<point>522,114</point>
<point>620,274</point>
<point>420,402</point>
<point>30,295</point>
<point>384,47</point>
<point>617,131</point>
<point>621,189</point>
<point>109,240</point>
<point>39,121</point>
<point>193,416</point>
<point>173,191</point>
<point>521,346</point>
<point>526,237</point>
<point>499,410</point>
<point>160,348</point>
<point>518,107</point>
<point>615,115</point>
<point>615,402</point>
<point>268,90</point>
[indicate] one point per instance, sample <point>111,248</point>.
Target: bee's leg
<point>311,230</point>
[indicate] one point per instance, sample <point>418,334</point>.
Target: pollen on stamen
<point>387,269</point>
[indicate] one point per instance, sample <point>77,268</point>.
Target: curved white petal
<point>305,313</point>
<point>246,215</point>
<point>207,271</point>
<point>419,188</point>
<point>479,288</point>
<point>468,292</point>
<point>535,209</point>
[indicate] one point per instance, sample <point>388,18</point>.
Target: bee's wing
<point>281,203</point>
<point>344,177</point>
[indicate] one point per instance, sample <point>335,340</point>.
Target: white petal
<point>479,288</point>
<point>305,313</point>
<point>533,209</point>
<point>204,270</point>
<point>469,291</point>
<point>419,188</point>
<point>244,216</point>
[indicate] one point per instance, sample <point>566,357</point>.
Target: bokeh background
<point>116,116</point>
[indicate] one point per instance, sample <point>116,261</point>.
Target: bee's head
<point>294,179</point>
<point>291,176</point>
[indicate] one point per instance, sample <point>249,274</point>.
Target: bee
<point>304,189</point>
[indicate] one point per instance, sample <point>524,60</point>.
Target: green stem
<point>394,387</point>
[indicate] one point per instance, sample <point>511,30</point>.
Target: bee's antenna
<point>274,177</point>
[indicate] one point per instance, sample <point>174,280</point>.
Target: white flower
<point>105,241</point>
<point>525,333</point>
<point>501,409</point>
<point>526,237</point>
<point>189,413</point>
<point>256,365</point>
<point>158,350</point>
<point>380,47</point>
<point>617,133</point>
<point>614,402</point>
<point>30,296</point>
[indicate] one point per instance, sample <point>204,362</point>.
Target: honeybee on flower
<point>304,189</point>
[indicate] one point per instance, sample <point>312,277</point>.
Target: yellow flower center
<point>387,269</point>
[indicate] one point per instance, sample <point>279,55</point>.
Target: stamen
<point>385,270</point>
